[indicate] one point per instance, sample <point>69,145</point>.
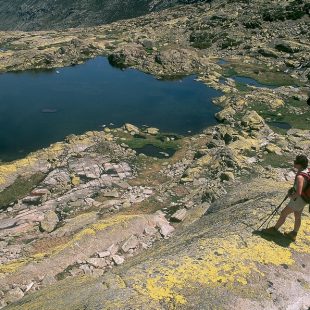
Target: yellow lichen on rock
<point>6,170</point>
<point>217,261</point>
<point>12,266</point>
<point>302,244</point>
<point>92,230</point>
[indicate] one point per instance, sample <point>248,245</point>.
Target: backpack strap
<point>306,175</point>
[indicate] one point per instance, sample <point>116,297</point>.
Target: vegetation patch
<point>295,113</point>
<point>260,73</point>
<point>20,188</point>
<point>277,161</point>
<point>202,39</point>
<point>293,11</point>
<point>159,141</point>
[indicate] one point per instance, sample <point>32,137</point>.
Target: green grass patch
<point>260,73</point>
<point>277,161</point>
<point>136,143</point>
<point>242,87</point>
<point>20,188</point>
<point>294,112</point>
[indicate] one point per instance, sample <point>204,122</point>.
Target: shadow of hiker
<point>278,238</point>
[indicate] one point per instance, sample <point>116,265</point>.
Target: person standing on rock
<point>297,200</point>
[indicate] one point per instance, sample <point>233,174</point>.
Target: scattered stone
<point>7,223</point>
<point>179,215</point>
<point>148,44</point>
<point>111,194</point>
<point>48,280</point>
<point>150,231</point>
<point>113,249</point>
<point>227,176</point>
<point>97,262</point>
<point>164,226</point>
<point>271,148</point>
<point>50,221</point>
<point>225,115</point>
<point>252,120</point>
<point>118,260</point>
<point>40,192</point>
<point>29,286</point>
<point>131,128</point>
<point>152,131</point>
<point>75,181</point>
<point>35,200</point>
<point>104,254</point>
<point>86,269</point>
<point>131,243</point>
<point>14,295</point>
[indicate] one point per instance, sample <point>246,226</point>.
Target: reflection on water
<point>41,107</point>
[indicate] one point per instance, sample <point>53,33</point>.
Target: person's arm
<point>299,186</point>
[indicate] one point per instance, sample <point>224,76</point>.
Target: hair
<point>301,160</point>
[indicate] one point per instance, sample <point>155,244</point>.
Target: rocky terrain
<point>89,223</point>
<point>32,15</point>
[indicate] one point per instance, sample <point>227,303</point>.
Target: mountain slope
<point>55,14</point>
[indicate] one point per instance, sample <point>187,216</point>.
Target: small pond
<point>282,125</point>
<point>251,82</point>
<point>38,108</point>
<point>248,81</point>
<point>154,151</point>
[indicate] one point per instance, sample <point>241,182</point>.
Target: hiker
<point>297,200</point>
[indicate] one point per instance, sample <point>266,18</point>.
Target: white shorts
<point>297,204</point>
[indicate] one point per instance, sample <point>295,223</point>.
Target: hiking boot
<point>270,231</point>
<point>291,235</point>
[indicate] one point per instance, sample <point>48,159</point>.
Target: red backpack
<point>305,195</point>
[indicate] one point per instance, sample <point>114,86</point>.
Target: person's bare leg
<point>297,221</point>
<point>284,213</point>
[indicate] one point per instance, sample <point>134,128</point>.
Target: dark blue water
<point>38,108</point>
<point>282,125</point>
<point>222,62</point>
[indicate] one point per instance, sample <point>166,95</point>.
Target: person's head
<point>301,162</point>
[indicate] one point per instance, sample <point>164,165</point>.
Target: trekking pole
<point>273,213</point>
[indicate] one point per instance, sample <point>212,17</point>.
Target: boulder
<point>272,148</point>
<point>268,52</point>
<point>97,262</point>
<point>104,254</point>
<point>113,249</point>
<point>276,103</point>
<point>75,181</point>
<point>215,143</point>
<point>150,231</point>
<point>148,44</point>
<point>127,55</point>
<point>131,128</point>
<point>164,226</point>
<point>14,295</point>
<point>48,280</point>
<point>227,176</point>
<point>152,131</point>
<point>225,115</point>
<point>118,260</point>
<point>49,222</point>
<point>288,47</point>
<point>179,215</point>
<point>111,194</point>
<point>252,120</point>
<point>130,243</point>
